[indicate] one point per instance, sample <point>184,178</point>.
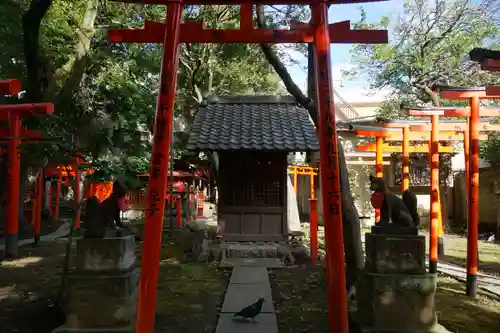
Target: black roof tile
<point>258,123</point>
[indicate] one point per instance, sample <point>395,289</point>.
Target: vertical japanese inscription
<point>154,199</point>
<point>334,193</point>
<point>158,157</point>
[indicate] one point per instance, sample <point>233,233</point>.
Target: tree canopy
<point>103,92</point>
<point>430,42</point>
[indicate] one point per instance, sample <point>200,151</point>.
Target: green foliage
<point>429,45</point>
<point>104,112</point>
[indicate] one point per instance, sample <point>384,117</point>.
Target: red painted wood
<point>157,186</point>
<point>330,175</point>
<point>473,213</point>
<point>14,166</point>
<point>23,133</point>
<point>255,2</point>
<point>195,32</point>
<point>10,87</point>
<point>24,110</point>
<point>493,91</point>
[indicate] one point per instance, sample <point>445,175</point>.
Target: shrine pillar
<point>14,161</point>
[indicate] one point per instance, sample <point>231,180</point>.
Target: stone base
<point>105,302</point>
<point>252,250</point>
<point>63,329</point>
<point>396,302</point>
<point>219,250</point>
<point>113,254</point>
<point>251,262</point>
<point>394,229</point>
<point>390,254</point>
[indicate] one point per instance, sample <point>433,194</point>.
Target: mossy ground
<point>189,294</point>
<point>300,297</point>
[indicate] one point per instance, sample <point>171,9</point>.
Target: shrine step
<point>251,262</point>
<point>252,250</point>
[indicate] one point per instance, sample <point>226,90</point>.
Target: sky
<point>351,90</point>
<point>354,90</point>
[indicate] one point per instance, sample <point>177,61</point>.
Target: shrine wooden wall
<point>252,197</point>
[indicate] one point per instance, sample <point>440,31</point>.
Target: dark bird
<point>251,311</point>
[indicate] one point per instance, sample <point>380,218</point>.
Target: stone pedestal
<point>102,291</point>
<point>395,293</point>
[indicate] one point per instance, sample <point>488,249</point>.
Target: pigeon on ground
<point>251,311</point>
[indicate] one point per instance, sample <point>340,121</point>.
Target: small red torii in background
<point>171,34</point>
<point>13,113</point>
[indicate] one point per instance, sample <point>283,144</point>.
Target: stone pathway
<point>247,284</point>
<point>485,281</point>
<point>59,234</point>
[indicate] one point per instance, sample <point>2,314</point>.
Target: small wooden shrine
<point>250,137</point>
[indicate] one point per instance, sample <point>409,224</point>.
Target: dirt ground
<point>28,286</point>
<point>300,299</point>
<point>189,294</point>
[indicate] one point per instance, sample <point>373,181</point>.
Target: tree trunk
<point>350,219</point>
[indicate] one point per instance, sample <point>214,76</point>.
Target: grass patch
<point>455,250</point>
<point>461,314</point>
<point>456,253</point>
<point>300,300</point>
<point>189,294</point>
<point>455,247</point>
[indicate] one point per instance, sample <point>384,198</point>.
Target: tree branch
<point>281,70</point>
<point>85,32</point>
<point>434,97</point>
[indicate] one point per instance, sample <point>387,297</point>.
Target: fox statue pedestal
<point>395,293</point>
<point>102,291</point>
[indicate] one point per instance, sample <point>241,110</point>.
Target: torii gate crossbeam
<point>171,34</point>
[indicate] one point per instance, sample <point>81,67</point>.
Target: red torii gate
<point>473,95</point>
<point>171,34</point>
<point>13,114</point>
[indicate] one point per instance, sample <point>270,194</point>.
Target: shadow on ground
<point>189,294</point>
<point>28,287</point>
<point>300,300</point>
<point>488,267</point>
<point>460,313</point>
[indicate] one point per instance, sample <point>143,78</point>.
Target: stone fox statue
<point>402,212</point>
<point>106,215</point>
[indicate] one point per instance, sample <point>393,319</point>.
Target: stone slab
<point>63,329</point>
<point>388,254</point>
<point>248,275</point>
<point>261,262</point>
<point>105,254</point>
<point>264,323</point>
<point>393,229</point>
<point>396,302</point>
<point>252,250</point>
<point>102,301</point>
<point>238,296</point>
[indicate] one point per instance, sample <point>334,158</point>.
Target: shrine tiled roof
<point>479,55</point>
<point>256,123</point>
